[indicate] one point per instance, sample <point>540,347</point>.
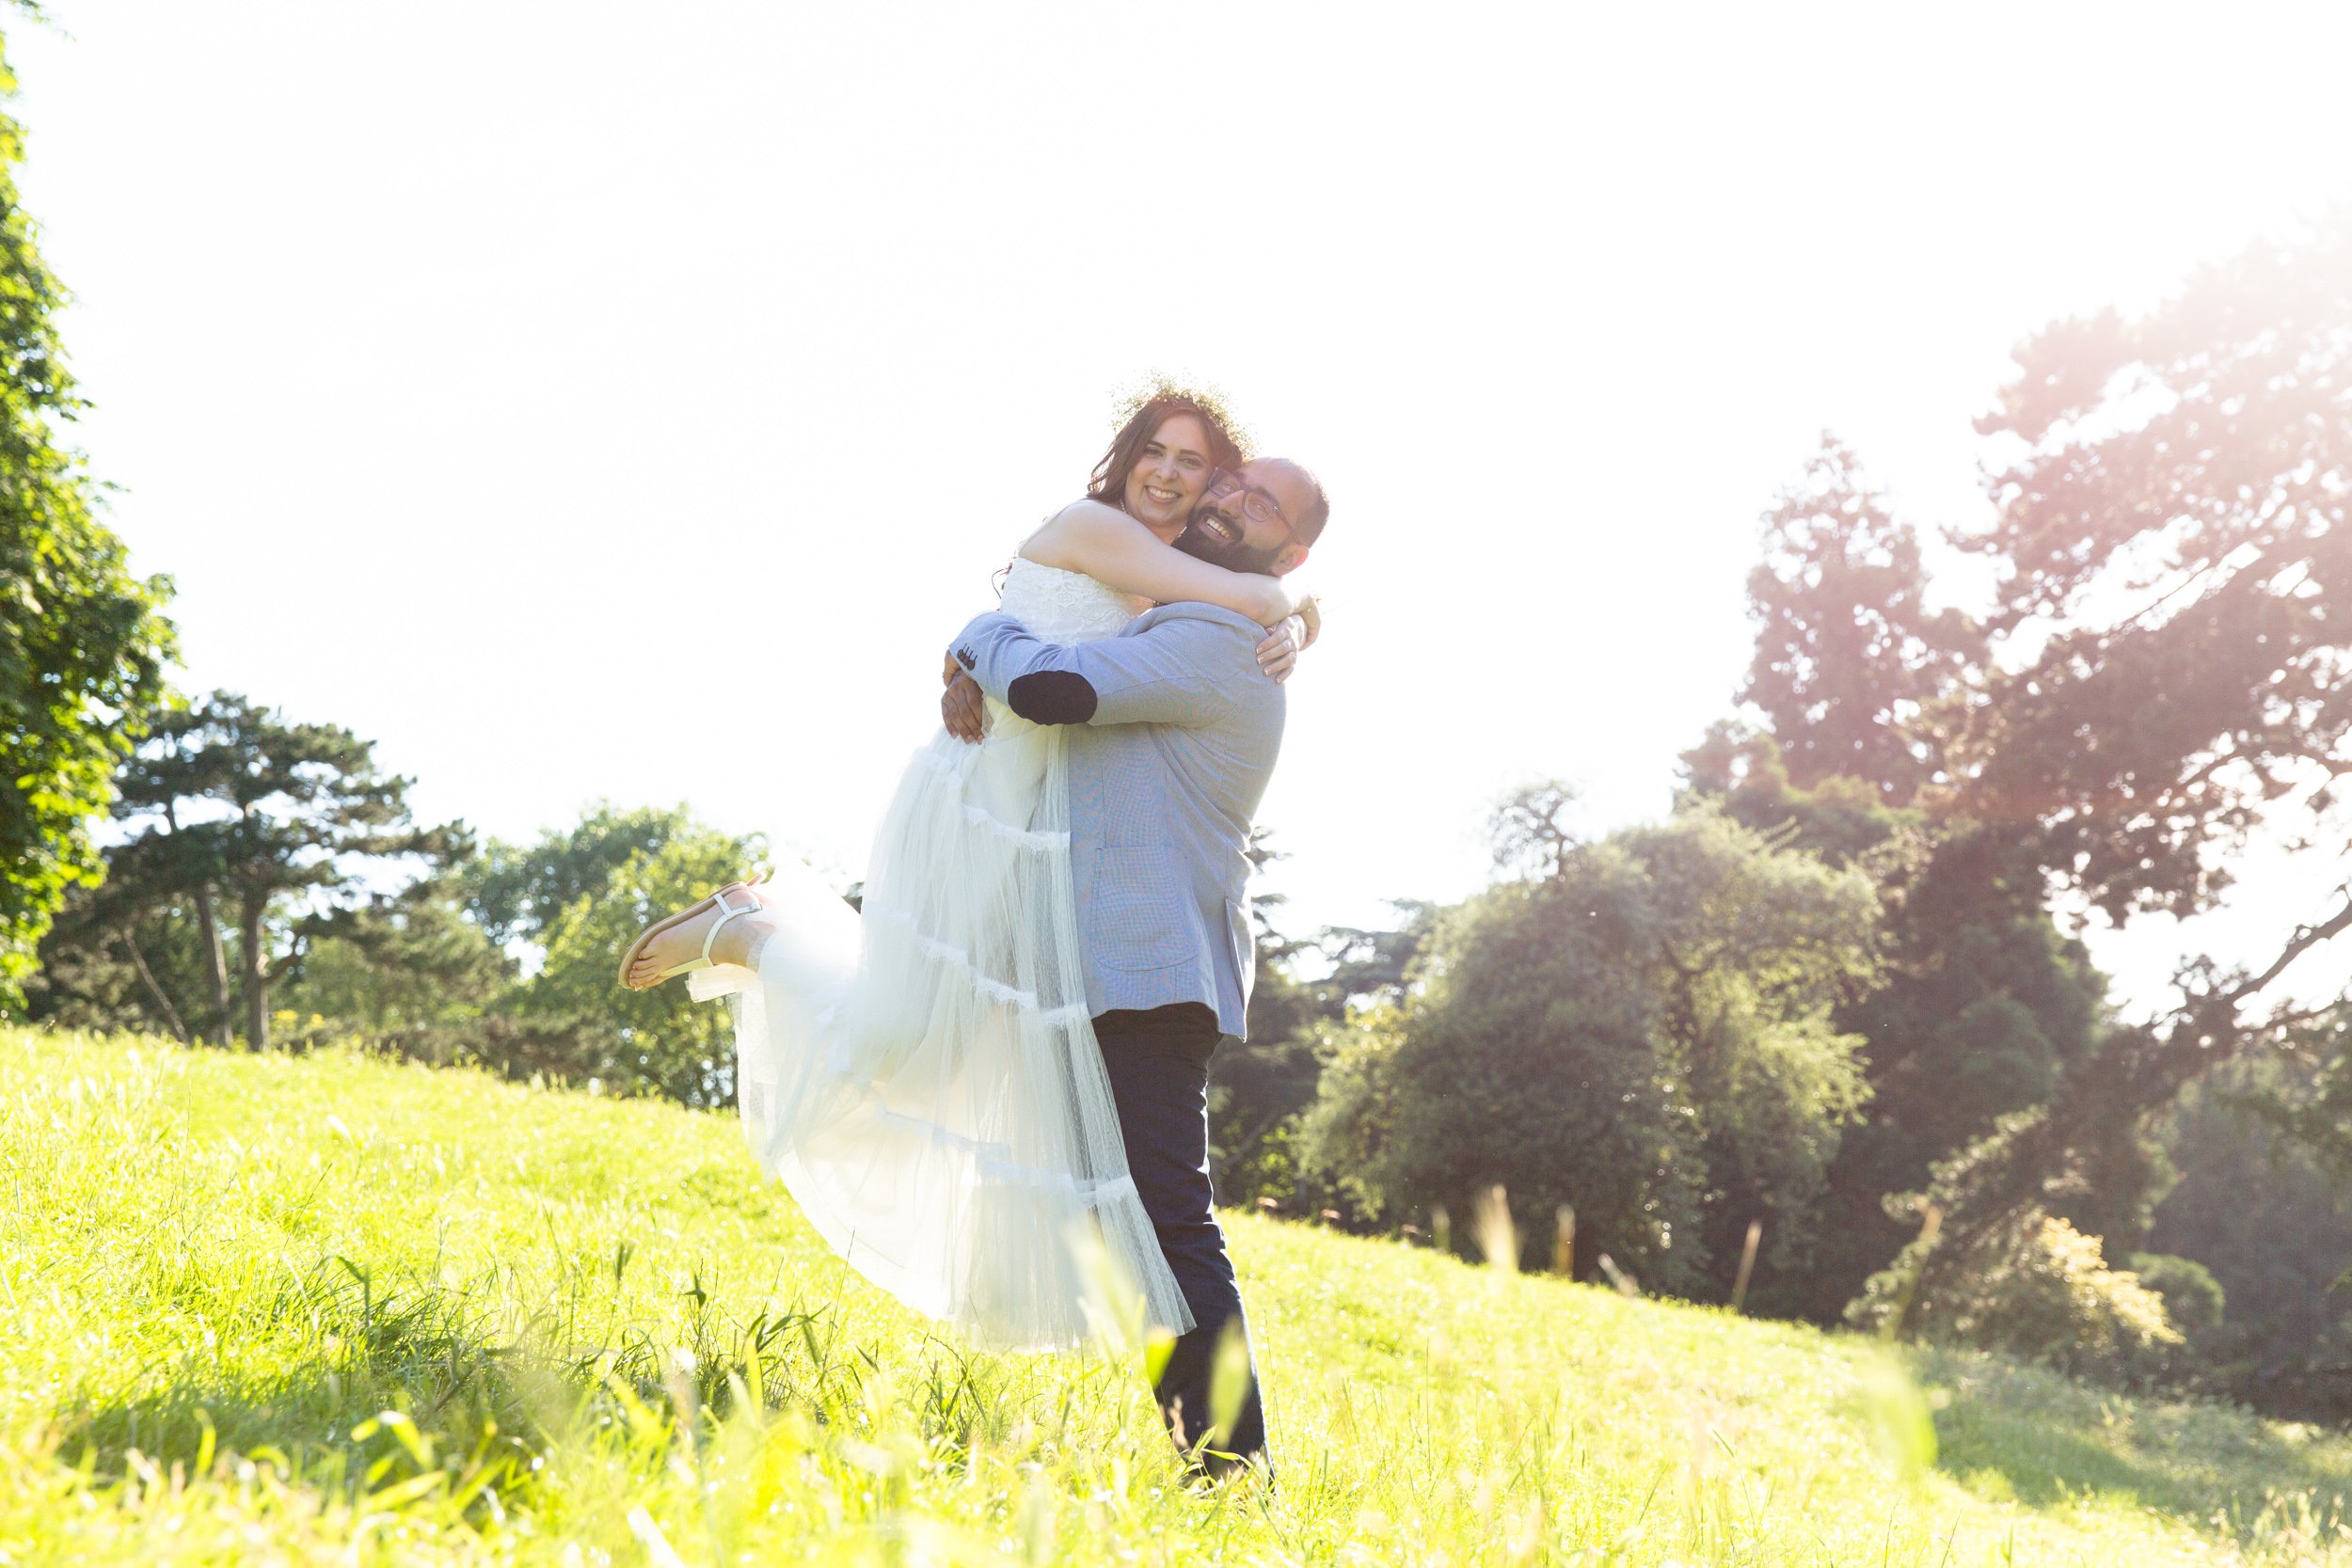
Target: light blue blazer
<point>1174,731</point>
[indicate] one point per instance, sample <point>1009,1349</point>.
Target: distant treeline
<point>243,904</point>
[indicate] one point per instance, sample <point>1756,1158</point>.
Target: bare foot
<point>679,938</point>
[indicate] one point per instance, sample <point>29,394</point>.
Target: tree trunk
<point>256,965</point>
<point>216,963</point>
<point>163,1003</point>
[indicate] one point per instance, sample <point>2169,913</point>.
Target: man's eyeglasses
<point>1258,506</point>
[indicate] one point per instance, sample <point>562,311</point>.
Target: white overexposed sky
<point>628,401</point>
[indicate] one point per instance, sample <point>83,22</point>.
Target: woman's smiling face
<point>1169,475</point>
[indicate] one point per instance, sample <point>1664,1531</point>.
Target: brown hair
<point>1165,403</point>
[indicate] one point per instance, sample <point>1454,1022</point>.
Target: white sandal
<point>727,911</point>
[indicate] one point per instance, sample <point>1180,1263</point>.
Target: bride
<point>925,1079</point>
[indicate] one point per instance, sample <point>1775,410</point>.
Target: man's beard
<point>1235,557</point>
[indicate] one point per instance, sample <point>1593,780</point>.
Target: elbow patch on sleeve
<point>1051,697</point>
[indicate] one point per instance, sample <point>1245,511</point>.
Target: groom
<point>1174,735</point>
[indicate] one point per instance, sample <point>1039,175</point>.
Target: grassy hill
<point>326,1308</point>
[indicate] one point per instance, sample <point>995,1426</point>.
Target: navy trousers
<point>1158,1062</point>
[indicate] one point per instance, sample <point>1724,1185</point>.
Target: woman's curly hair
<point>1139,416</point>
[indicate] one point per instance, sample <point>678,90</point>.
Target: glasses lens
<point>1256,505</point>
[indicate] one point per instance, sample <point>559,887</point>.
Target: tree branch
<point>139,961</point>
<point>2304,938</point>
<point>294,955</point>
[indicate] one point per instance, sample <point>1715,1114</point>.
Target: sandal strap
<point>727,911</point>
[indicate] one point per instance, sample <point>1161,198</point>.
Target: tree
<point>2171,542</point>
<point>2273,1223</point>
<point>1848,654</point>
<point>1643,1032</point>
<point>82,641</point>
<point>397,966</point>
<point>242,817</point>
<point>1372,967</point>
<point>2173,565</point>
<point>1262,1087</point>
<point>1742,770</point>
<point>1985,1004</point>
<point>1260,1084</point>
<point>1534,833</point>
<point>515,891</point>
<point>654,1042</point>
<point>114,962</point>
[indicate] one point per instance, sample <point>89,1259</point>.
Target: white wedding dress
<point>926,1079</point>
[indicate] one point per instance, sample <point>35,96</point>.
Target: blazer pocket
<point>1138,920</point>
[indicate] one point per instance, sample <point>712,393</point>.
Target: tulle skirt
<point>926,1079</point>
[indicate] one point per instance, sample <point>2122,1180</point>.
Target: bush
<point>2041,1291</point>
<point>2192,1296</point>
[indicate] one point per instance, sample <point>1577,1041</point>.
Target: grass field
<point>267,1308</point>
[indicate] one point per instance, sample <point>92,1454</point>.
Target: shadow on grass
<point>2005,1431</point>
<point>459,1390</point>
<point>470,1395</point>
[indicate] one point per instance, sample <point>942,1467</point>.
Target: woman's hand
<point>1284,640</point>
<point>962,708</point>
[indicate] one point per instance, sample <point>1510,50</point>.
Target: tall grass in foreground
<point>272,1308</point>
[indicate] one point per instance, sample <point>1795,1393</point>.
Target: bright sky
<point>630,400</point>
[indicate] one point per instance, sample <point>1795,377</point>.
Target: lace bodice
<point>1067,607</point>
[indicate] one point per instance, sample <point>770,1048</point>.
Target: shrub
<point>2039,1289</point>
<point>2192,1296</point>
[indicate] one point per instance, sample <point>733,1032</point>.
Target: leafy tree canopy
<point>82,641</point>
<point>1985,1004</point>
<point>1643,1033</point>
<point>656,1041</point>
<point>2172,567</point>
<point>1848,654</point>
<point>2172,546</point>
<point>515,891</point>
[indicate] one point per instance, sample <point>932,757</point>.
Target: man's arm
<point>1180,670</point>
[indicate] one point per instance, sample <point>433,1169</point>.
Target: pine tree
<point>251,822</point>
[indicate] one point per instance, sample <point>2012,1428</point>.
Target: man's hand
<point>962,706</point>
<point>1283,645</point>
